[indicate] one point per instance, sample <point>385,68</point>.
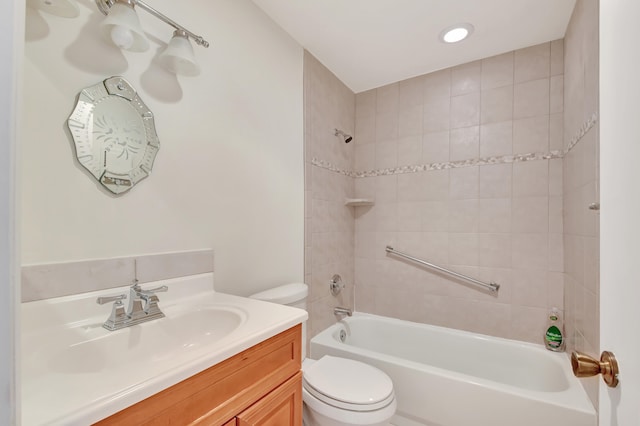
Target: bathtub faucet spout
<point>341,312</point>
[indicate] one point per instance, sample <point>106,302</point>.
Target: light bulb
<point>456,35</point>
<point>122,37</point>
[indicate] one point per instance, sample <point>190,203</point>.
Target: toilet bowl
<point>340,391</point>
<point>337,391</point>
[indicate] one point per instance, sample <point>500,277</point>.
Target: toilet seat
<point>348,384</point>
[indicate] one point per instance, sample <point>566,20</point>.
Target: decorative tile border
<point>503,159</point>
<point>582,131</point>
<point>416,168</point>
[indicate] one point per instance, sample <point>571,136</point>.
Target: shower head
<point>347,138</point>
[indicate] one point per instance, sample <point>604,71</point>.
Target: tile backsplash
<point>46,281</point>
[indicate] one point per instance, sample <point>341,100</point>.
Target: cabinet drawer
<point>214,396</point>
<point>282,407</point>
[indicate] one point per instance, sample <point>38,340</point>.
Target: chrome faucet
<point>143,307</point>
<point>339,311</point>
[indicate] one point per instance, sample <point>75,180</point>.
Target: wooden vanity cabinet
<point>261,386</point>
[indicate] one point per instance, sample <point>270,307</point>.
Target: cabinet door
<point>282,407</point>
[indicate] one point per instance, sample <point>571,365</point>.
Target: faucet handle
<point>118,315</point>
<point>155,290</point>
<point>108,299</point>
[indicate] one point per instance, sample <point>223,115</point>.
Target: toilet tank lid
<point>284,294</point>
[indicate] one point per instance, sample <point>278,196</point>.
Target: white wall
<point>229,174</point>
<point>11,30</point>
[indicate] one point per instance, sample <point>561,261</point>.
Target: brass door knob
<point>585,366</point>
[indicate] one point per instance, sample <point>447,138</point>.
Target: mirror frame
<point>91,114</point>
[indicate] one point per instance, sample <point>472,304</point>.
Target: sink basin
<point>73,371</point>
<point>154,341</point>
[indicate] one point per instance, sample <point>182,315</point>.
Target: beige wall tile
<point>531,135</point>
<point>386,154</point>
<point>531,179</point>
<point>466,78</point>
<point>410,121</point>
<point>435,147</point>
<point>497,105</point>
<point>465,110</point>
<point>386,126</point>
<point>497,71</point>
<point>555,176</point>
<point>410,150</point>
<point>464,143</point>
<point>365,157</point>
<point>463,249</point>
<point>557,57</point>
<point>530,215</point>
<point>387,98</point>
<point>556,94</point>
<point>437,85</point>
<point>556,252</point>
<point>365,130</point>
<point>556,132</point>
<point>530,251</point>
<point>555,215</point>
<point>463,215</point>
<point>464,183</point>
<point>436,114</point>
<point>410,187</point>
<point>530,288</point>
<point>436,185</point>
<point>494,215</point>
<point>528,323</point>
<point>435,216</point>
<point>410,216</point>
<point>496,139</point>
<point>495,250</point>
<point>366,103</point>
<point>532,63</point>
<point>386,189</point>
<point>411,92</point>
<point>531,98</point>
<point>495,181</point>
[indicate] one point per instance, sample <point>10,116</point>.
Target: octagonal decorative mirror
<point>114,134</point>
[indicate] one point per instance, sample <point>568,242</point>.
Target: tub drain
<point>343,336</point>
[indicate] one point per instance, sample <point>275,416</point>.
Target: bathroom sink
<point>91,350</point>
<point>74,371</point>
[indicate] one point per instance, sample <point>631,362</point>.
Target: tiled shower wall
<point>581,176</point>
<point>329,224</point>
<point>465,168</point>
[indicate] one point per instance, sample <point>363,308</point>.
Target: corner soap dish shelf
<point>358,202</point>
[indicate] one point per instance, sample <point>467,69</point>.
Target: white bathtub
<point>445,377</point>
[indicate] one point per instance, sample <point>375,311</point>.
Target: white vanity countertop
<point>76,372</point>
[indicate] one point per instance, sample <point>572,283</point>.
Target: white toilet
<point>337,391</point>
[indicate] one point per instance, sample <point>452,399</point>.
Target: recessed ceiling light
<point>456,33</point>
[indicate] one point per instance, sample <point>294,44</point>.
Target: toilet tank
<point>294,294</point>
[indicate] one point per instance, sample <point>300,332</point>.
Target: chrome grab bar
<point>491,286</point>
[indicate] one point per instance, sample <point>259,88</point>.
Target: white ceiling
<point>370,43</point>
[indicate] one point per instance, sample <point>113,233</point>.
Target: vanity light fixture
<point>456,33</point>
<point>178,57</point>
<point>122,27</point>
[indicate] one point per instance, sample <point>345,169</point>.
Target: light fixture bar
<point>105,6</point>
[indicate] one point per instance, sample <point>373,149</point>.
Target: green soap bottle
<point>554,335</point>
